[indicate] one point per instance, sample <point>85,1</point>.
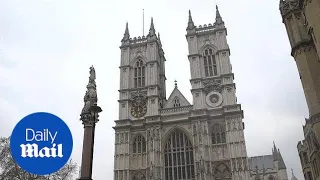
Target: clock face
<point>138,106</point>
<point>138,110</point>
<point>214,99</point>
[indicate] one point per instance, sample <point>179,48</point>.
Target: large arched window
<point>176,102</point>
<point>178,154</point>
<point>218,134</point>
<point>210,64</point>
<point>139,74</point>
<point>139,145</point>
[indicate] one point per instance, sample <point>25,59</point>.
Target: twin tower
<point>160,138</point>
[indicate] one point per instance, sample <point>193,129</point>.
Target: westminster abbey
<point>160,138</point>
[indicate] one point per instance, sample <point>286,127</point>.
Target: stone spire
<point>281,164</point>
<point>152,31</point>
<point>126,35</point>
<point>219,20</point>
<point>190,22</point>
<point>293,177</point>
<point>159,40</point>
<point>275,153</point>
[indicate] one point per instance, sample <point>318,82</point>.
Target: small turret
<point>293,177</point>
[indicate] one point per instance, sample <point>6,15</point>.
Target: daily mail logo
<point>41,143</point>
<point>32,150</point>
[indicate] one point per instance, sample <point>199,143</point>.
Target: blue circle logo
<point>41,143</point>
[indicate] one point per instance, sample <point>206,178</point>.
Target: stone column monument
<point>89,118</point>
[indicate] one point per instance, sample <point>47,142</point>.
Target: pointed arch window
<point>176,102</point>
<point>210,64</point>
<point>218,134</point>
<point>139,145</point>
<point>178,154</point>
<point>139,74</point>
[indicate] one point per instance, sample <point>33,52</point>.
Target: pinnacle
<point>217,12</point>
<point>190,21</point>
<point>152,25</point>
<point>159,39</point>
<point>126,35</point>
<point>152,31</point>
<point>218,17</point>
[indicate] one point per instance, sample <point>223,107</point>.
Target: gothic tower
<point>142,94</point>
<point>172,139</point>
<point>214,100</point>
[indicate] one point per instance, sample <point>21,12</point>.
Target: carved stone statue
<point>90,98</point>
<point>151,171</point>
<point>194,129</point>
<point>92,77</point>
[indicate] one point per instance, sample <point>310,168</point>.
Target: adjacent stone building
<point>268,167</point>
<point>302,21</point>
<point>172,139</point>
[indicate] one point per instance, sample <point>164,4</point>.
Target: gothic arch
<point>137,134</point>
<point>176,101</point>
<point>218,133</point>
<point>204,47</point>
<point>176,128</point>
<point>271,177</point>
<point>139,144</point>
<point>178,155</point>
<point>137,58</point>
<point>138,72</point>
<point>139,176</point>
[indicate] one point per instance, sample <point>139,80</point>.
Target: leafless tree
<point>9,170</point>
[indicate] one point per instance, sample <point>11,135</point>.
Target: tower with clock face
<point>160,138</point>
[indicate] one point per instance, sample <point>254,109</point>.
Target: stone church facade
<point>171,139</point>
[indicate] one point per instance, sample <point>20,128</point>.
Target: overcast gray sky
<point>47,47</point>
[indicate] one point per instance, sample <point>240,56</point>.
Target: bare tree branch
<point>9,170</point>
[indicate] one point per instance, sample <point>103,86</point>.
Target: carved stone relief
<point>139,176</point>
<point>222,170</point>
<point>138,103</point>
<point>210,85</point>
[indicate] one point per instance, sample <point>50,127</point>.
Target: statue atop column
<point>89,117</point>
<point>90,98</point>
